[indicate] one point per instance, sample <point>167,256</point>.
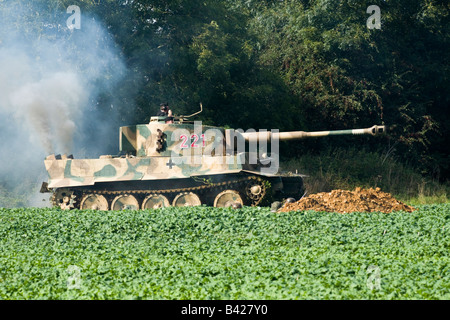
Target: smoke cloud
<point>49,107</point>
<point>54,82</point>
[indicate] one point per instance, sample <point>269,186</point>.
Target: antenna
<point>201,109</point>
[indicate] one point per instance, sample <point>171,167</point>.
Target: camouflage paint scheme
<point>82,172</point>
<point>144,160</point>
<point>142,139</point>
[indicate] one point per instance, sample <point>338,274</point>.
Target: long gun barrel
<point>295,135</point>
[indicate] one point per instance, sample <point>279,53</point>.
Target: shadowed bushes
<point>351,168</point>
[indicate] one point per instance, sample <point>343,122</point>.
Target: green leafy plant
<point>220,253</point>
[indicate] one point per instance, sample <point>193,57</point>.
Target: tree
<point>346,74</point>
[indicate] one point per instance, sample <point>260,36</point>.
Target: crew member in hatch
<point>164,111</point>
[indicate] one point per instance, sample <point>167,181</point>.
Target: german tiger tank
<point>181,163</point>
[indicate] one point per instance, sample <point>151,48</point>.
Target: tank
<point>180,163</point>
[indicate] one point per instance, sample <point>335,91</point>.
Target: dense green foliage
<point>211,253</point>
<point>349,168</point>
<point>345,74</point>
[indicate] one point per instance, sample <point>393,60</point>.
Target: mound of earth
<point>345,201</point>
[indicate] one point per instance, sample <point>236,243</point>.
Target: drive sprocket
<point>64,198</point>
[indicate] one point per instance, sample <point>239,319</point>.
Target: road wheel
<point>228,198</point>
<point>186,199</point>
<point>125,202</point>
<point>94,202</point>
<point>155,201</point>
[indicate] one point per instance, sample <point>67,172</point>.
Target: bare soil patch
<point>345,201</point>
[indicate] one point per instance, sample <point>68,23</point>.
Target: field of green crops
<point>213,253</point>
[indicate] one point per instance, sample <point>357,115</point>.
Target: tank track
<point>204,191</point>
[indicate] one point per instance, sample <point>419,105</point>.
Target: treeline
<point>290,65</point>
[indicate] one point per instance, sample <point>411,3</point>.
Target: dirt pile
<point>345,201</point>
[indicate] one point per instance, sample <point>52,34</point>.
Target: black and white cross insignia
<point>170,164</point>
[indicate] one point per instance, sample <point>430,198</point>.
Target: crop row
<point>218,253</point>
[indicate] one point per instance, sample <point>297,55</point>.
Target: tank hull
<point>87,183</point>
<point>85,172</point>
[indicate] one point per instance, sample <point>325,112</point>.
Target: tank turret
<point>181,163</point>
